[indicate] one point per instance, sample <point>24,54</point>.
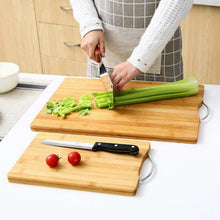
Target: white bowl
<point>8,76</point>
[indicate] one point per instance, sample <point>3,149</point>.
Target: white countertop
<point>186,184</point>
<point>207,2</point>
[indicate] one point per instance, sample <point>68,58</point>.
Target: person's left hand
<point>122,74</point>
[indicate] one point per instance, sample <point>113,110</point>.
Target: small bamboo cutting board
<point>98,171</point>
<point>167,120</point>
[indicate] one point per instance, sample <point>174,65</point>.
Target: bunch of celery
<point>67,105</point>
<point>181,88</point>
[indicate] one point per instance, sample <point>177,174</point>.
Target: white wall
<point>207,2</point>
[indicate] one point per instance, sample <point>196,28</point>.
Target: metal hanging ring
<point>149,175</point>
<point>207,111</point>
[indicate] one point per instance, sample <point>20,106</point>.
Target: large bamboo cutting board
<point>167,120</point>
<point>97,171</point>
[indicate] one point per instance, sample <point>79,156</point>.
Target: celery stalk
<point>181,88</point>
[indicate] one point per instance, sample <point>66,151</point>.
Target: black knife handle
<point>116,148</point>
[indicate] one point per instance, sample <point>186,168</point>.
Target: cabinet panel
<point>55,12</point>
<point>58,66</point>
<point>201,45</point>
<point>52,38</point>
<point>18,35</point>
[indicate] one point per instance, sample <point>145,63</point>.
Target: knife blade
<point>103,72</point>
<point>97,146</point>
<point>106,80</point>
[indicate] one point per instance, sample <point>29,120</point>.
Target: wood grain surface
<point>98,171</point>
<point>201,45</point>
<point>174,120</point>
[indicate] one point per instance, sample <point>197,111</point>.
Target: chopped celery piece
<point>61,107</point>
<point>85,111</point>
<point>85,102</point>
<point>104,100</point>
<point>67,105</point>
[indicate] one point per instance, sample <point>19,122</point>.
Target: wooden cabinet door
<point>55,12</point>
<point>201,44</point>
<point>18,35</point>
<point>53,38</point>
<point>59,66</point>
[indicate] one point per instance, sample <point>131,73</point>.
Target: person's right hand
<point>91,40</point>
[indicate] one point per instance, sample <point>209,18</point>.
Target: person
<point>138,39</point>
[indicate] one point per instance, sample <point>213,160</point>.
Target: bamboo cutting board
<point>98,171</point>
<point>167,120</point>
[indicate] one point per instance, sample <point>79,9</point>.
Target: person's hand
<point>122,74</point>
<point>91,40</point>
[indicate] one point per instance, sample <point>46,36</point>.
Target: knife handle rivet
<point>132,146</point>
<point>115,145</point>
<point>99,143</point>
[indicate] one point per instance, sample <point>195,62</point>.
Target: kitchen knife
<point>106,80</point>
<point>97,146</point>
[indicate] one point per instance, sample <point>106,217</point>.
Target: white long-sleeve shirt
<point>164,23</point>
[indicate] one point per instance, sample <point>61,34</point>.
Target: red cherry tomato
<point>74,158</point>
<point>52,160</point>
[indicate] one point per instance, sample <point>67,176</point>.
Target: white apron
<point>124,22</point>
<point>120,42</point>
